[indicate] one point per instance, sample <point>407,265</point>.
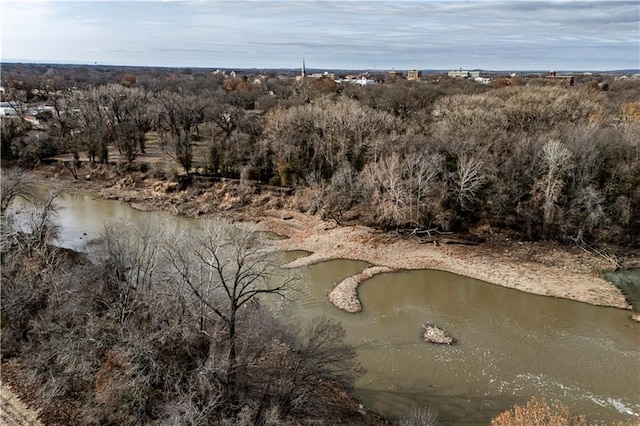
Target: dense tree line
<point>161,328</point>
<point>532,157</point>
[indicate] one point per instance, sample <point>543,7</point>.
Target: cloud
<point>496,34</point>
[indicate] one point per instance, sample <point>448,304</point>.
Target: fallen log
<point>437,241</point>
<point>459,241</point>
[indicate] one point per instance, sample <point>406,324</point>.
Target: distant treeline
<point>527,155</point>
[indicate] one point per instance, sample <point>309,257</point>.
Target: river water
<point>511,345</point>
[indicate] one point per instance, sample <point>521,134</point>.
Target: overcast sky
<point>361,34</point>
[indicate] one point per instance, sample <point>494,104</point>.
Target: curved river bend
<point>511,345</point>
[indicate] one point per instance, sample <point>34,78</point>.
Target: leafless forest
<point>530,156</point>
<point>167,328</point>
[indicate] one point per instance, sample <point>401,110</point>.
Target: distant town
<point>34,87</point>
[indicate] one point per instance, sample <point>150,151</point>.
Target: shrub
<point>419,417</point>
<point>538,413</point>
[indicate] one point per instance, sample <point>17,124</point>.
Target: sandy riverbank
<point>543,269</point>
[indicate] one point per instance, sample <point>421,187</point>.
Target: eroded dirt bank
<point>540,268</point>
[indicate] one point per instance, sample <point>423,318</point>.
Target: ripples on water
<point>512,346</point>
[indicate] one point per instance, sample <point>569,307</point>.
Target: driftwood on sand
<point>434,334</point>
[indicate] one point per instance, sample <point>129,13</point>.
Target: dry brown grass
<point>538,413</point>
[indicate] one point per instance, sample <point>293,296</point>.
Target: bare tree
<point>326,354</point>
<point>31,229</point>
<point>93,129</point>
<point>127,109</point>
<point>14,184</point>
<point>320,359</point>
<point>65,129</point>
<point>324,136</point>
<point>469,178</point>
<point>12,134</point>
<point>233,137</point>
<point>469,123</point>
<point>389,192</point>
<point>344,191</point>
<point>132,258</point>
<point>179,116</point>
<point>555,159</point>
<point>28,263</point>
<point>224,268</point>
<point>422,170</point>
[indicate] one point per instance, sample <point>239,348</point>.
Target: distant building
<point>482,80</point>
<point>464,74</point>
<point>395,74</point>
<point>458,74</point>
<point>569,80</point>
<point>362,80</point>
<point>414,75</point>
<point>326,74</point>
<point>303,72</point>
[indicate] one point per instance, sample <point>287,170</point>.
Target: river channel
<point>511,345</point>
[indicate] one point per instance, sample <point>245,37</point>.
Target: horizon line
<point>97,64</point>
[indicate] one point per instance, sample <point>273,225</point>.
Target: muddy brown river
<point>511,345</point>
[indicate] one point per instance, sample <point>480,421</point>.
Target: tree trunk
<point>231,361</point>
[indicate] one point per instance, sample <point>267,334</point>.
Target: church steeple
<point>304,71</point>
